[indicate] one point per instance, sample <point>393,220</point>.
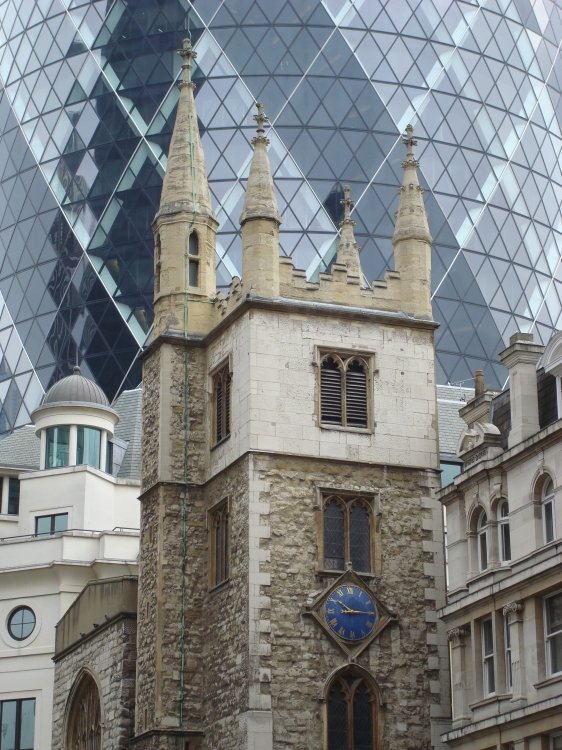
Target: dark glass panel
<point>337,718</point>
<point>334,542</point>
<point>360,537</point>
<point>362,718</point>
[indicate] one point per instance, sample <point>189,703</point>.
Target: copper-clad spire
<point>348,251</point>
<point>260,201</point>
<point>185,186</point>
<point>411,218</point>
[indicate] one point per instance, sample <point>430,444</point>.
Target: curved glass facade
<point>87,99</point>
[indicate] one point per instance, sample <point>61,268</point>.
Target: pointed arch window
<point>347,533</point>
<point>84,717</point>
<point>351,714</point>
<point>219,543</point>
<point>344,398</point>
<point>221,403</point>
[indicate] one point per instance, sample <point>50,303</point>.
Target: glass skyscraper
<point>87,97</point>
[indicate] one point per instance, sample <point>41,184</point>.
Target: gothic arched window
<point>347,533</point>
<point>84,717</point>
<point>351,713</point>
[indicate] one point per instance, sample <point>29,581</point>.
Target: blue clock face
<point>350,612</point>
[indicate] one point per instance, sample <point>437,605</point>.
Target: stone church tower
<point>291,560</point>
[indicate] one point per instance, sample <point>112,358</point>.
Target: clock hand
<point>344,606</point>
<point>358,612</point>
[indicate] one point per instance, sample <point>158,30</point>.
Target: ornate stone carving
<point>457,634</point>
<point>512,608</point>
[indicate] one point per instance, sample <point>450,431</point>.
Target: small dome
<point>76,389</point>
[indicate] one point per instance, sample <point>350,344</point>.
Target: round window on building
<point>21,623</point>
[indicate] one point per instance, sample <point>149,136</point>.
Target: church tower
<point>291,559</point>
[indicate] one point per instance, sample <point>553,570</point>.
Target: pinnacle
<point>185,186</point>
<point>411,217</point>
<point>348,251</point>
<point>260,201</point>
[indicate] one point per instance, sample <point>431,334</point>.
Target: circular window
<point>21,623</point>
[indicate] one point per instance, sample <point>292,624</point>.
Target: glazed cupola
<point>75,424</point>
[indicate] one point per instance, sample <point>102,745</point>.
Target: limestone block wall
<point>274,356</point>
<point>109,655</point>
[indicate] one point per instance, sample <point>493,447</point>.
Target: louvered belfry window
<point>343,391</point>
<point>221,404</point>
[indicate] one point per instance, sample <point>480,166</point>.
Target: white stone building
<point>69,515</point>
<point>504,523</point>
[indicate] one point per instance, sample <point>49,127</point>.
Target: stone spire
<point>260,220</point>
<point>348,251</point>
<point>260,201</point>
<point>185,186</point>
<point>412,240</point>
<point>184,228</point>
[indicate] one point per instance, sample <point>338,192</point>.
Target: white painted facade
<point>46,572</point>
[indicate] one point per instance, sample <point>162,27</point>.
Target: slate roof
<point>128,406</point>
<point>20,450</point>
<point>451,398</point>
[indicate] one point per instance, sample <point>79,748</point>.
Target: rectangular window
<point>508,667</point>
<point>17,722</point>
<point>57,444</point>
<point>347,532</point>
<point>488,676</point>
<point>553,626</point>
<point>88,446</point>
<point>219,543</point>
<point>52,524</point>
<point>14,496</point>
<point>109,457</point>
<point>221,403</point>
<point>344,390</point>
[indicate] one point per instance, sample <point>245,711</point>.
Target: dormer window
<point>57,447</point>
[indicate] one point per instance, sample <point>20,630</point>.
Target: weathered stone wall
<point>242,665</point>
<point>109,655</point>
<point>300,657</point>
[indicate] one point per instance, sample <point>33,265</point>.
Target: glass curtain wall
<point>87,100</point>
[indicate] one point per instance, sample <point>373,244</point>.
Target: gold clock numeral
<point>363,633</point>
<point>350,589</point>
<point>339,592</point>
<point>369,623</point>
<point>352,635</point>
<point>334,621</point>
<point>330,610</point>
<point>341,631</point>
